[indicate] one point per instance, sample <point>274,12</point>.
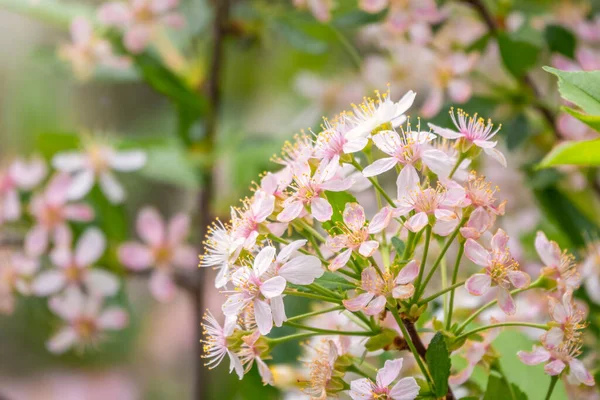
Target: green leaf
<point>299,36</point>
<point>560,40</point>
<point>518,56</point>
<point>581,88</point>
<point>381,340</point>
<point>516,131</point>
<point>498,389</point>
<point>583,153</point>
<point>438,360</point>
<point>334,281</point>
<point>50,143</point>
<point>399,245</point>
<point>593,121</point>
<point>357,18</point>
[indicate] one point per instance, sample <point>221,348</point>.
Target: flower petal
<point>340,260</point>
<point>273,287</point>
<point>111,188</point>
<point>263,316</point>
<point>135,256</point>
<point>478,284</point>
<point>506,302</point>
<point>90,247</point>
<point>367,248</point>
<point>389,372</point>
<point>302,270</point>
<point>405,389</point>
<point>554,368</point>
<point>62,341</point>
<point>127,161</point>
<point>354,216</point>
<point>321,209</point>
<point>537,356</point>
<point>263,260</point>
<point>376,306</point>
<point>150,226</point>
<point>476,253</point>
<point>48,282</point>
<point>81,184</point>
<point>101,283</point>
<point>162,286</point>
<point>408,273</point>
<point>278,310</point>
<point>359,302</point>
<point>113,319</point>
<point>380,166</point>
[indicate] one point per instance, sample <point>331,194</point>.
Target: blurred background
<point>284,65</point>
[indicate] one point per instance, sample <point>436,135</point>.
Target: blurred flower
<point>52,213</point>
<point>569,320</point>
<point>164,248</point>
<point>16,273</point>
<point>20,175</point>
<point>97,163</point>
<point>590,270</point>
<point>321,9</point>
<point>75,268</point>
<point>573,129</point>
<point>404,389</point>
<point>559,266</point>
<point>140,20</point>
<point>474,351</point>
<point>85,318</point>
<point>501,269</point>
<point>88,50</point>
<point>322,380</point>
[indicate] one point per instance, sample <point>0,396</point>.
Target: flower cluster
<point>304,234</point>
<point>63,255</point>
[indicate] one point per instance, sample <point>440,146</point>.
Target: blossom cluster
<point>53,247</point>
<point>327,227</point>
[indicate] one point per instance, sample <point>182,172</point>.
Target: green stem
<point>459,255</point>
<point>312,296</point>
<point>303,251</point>
<point>296,336</point>
<point>354,368</point>
<point>459,160</point>
<point>310,229</point>
<point>329,331</point>
<point>441,256</point>
<point>441,292</point>
<point>314,313</point>
<point>483,328</point>
<point>375,185</point>
<point>423,261</point>
<point>349,274</point>
<point>348,47</point>
<point>553,381</point>
<point>411,345</point>
<point>324,291</point>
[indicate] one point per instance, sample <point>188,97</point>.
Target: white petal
<point>112,188</point>
<point>90,247</point>
<point>302,270</point>
<point>81,184</point>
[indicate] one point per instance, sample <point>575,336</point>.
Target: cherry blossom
<point>216,346</point>
<point>164,248</point>
<point>250,352</point>
<point>85,320</point>
<point>221,251</point>
<point>96,162</point>
<point>473,131</point>
<point>322,368</point>
<point>590,269</point>
<point>569,320</point>
<point>404,389</point>
<point>140,20</point>
<point>558,265</point>
<point>17,270</point>
<point>377,288</point>
<point>501,270</point>
<point>52,213</point>
<point>20,175</point>
<point>474,351</point>
<point>75,267</point>
<point>245,222</point>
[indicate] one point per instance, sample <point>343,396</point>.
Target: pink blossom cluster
<point>63,255</point>
<point>313,230</point>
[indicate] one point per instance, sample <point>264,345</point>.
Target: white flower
<point>405,389</point>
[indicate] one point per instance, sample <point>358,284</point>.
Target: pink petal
<point>433,103</point>
<point>408,273</point>
<point>361,389</point>
<point>476,253</point>
<point>101,283</point>
<point>290,211</point>
<point>162,286</point>
<point>373,6</point>
<point>11,210</point>
<point>359,302</point>
<point>389,142</point>
<point>135,256</point>
<point>381,220</point>
<point>302,270</point>
<point>478,284</point>
<point>340,260</point>
<point>389,372</point>
<point>417,222</point>
<point>553,337</point>
<point>506,302</point>
<point>548,251</point>
<point>287,250</point>
<point>519,279</point>
<point>113,319</point>
<point>380,166</point>
<point>111,188</point>
<point>278,310</point>
<point>69,161</point>
<point>367,248</point>
<point>48,282</point>
<point>408,180</point>
<point>376,306</point>
<point>28,175</point>
<point>580,373</point>
<point>444,132</point>
<point>263,260</point>
<point>496,155</point>
<point>405,389</point>
<point>185,256</point>
<point>460,90</point>
<point>354,216</point>
<point>263,316</point>
<point>137,38</point>
<point>78,212</point>
<point>263,205</point>
<point>321,209</point>
<point>56,191</point>
<point>444,215</point>
<point>150,226</point>
<point>114,13</point>
<point>90,247</point>
<point>499,241</point>
<point>36,241</point>
<point>403,291</point>
<point>554,368</point>
<point>62,341</point>
<point>537,356</point>
<point>273,287</point>
<point>178,228</point>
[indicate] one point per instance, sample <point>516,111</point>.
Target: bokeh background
<point>283,69</point>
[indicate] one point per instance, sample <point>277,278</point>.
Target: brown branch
<point>526,80</point>
<point>421,349</point>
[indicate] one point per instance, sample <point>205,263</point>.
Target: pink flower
<point>262,285</point>
<point>354,237</point>
<point>16,274</point>
<point>322,368</point>
<point>479,222</point>
<point>406,150</point>
<point>307,192</point>
<point>52,213</point>
<point>450,78</point>
<point>164,248</point>
<point>85,320</point>
<point>501,270</point>
<point>216,346</point>
<point>87,50</point>
<point>374,115</point>
<point>404,389</point>
<point>221,251</point>
<point>332,143</point>
<point>590,269</point>
<point>97,162</point>
<point>426,203</point>
<point>321,9</point>
<point>251,352</point>
<point>567,322</point>
<point>245,222</point>
<point>377,288</point>
<point>20,175</point>
<point>559,266</point>
<point>474,351</point>
<point>557,359</point>
<point>473,131</point>
<point>586,59</point>
<point>74,268</point>
<point>140,20</point>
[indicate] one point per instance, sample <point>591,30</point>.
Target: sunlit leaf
<point>581,88</point>
<point>582,153</point>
